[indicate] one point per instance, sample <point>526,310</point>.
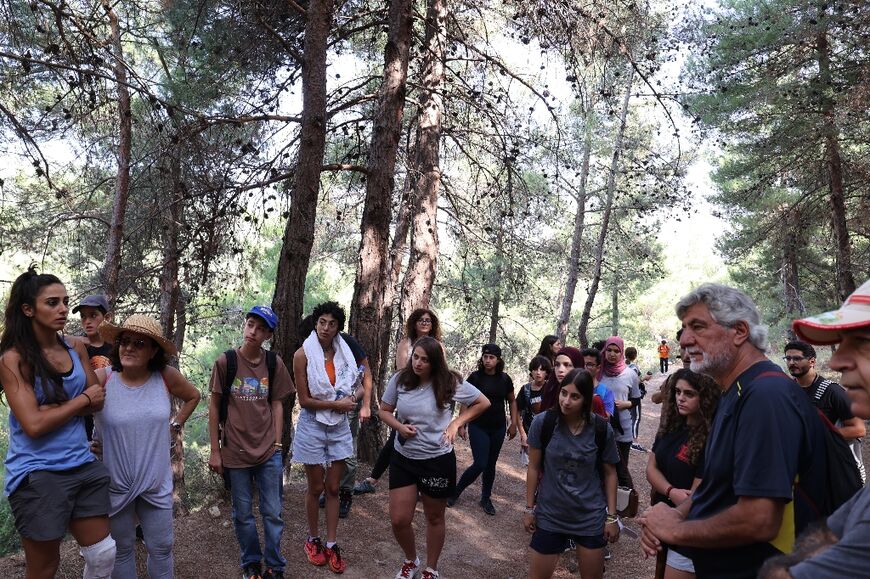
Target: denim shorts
<point>46,501</point>
<point>550,543</point>
<point>317,443</point>
<point>680,562</point>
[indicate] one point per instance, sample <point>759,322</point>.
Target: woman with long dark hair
<point>675,464</point>
<point>133,430</point>
<point>53,482</point>
<point>421,322</point>
<point>571,482</point>
<point>567,359</point>
<point>486,432</point>
<point>421,395</point>
<point>550,346</point>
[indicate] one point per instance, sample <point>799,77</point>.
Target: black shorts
<point>434,477</point>
<point>550,543</point>
<point>46,501</point>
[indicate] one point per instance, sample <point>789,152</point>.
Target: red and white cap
<point>825,329</point>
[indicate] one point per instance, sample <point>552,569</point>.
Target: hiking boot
<point>251,571</point>
<point>430,573</point>
<point>333,556</point>
<point>345,500</point>
<point>409,570</point>
<point>452,500</point>
<point>314,550</point>
<point>363,487</point>
<point>487,507</point>
<point>321,502</point>
<point>273,574</point>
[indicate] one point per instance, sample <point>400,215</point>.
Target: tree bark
<point>496,283</point>
<point>577,237</point>
<point>833,160</point>
<point>420,275</point>
<point>605,219</point>
<point>112,266</point>
<point>615,307</point>
<point>369,306</point>
<point>299,233</point>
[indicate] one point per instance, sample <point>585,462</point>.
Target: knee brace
<point>99,559</point>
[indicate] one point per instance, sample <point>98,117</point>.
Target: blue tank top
<point>62,449</point>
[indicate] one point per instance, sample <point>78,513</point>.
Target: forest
<point>511,165</point>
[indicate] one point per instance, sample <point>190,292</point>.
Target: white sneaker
<point>430,573</point>
<point>410,569</point>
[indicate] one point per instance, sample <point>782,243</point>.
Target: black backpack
<point>232,368</point>
<point>549,427</point>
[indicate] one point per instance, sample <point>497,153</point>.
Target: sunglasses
<point>133,343</point>
<point>425,321</point>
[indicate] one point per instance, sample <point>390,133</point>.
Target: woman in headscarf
<point>566,359</point>
<point>623,382</point>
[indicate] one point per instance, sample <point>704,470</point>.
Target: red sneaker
<point>316,552</point>
<point>333,556</point>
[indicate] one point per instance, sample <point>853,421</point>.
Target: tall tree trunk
<point>369,307</point>
<point>420,275</point>
<point>496,283</point>
<point>299,233</point>
<point>179,487</point>
<point>577,237</point>
<point>112,266</point>
<point>605,219</point>
<point>614,297</point>
<point>833,159</point>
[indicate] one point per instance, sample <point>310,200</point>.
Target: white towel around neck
<point>319,386</point>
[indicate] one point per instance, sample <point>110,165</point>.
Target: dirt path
<point>477,546</point>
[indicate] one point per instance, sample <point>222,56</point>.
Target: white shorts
<point>317,443</point>
<point>680,562</point>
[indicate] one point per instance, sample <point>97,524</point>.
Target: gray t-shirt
<point>624,386</point>
<point>849,557</point>
<point>570,497</point>
<point>418,408</point>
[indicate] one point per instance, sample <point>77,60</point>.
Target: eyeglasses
<point>794,358</point>
<point>425,321</point>
<point>133,343</point>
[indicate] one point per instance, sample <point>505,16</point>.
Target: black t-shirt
<point>359,354</point>
<point>526,407</point>
<point>99,355</point>
<point>671,450</point>
<point>495,387</point>
<point>832,400</point>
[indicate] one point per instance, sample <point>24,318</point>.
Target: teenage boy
<point>94,310</point>
<point>246,439</point>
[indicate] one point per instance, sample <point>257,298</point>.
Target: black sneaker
<point>452,500</point>
<point>321,502</point>
<point>487,507</point>
<point>345,500</point>
<point>273,574</point>
<point>252,571</point>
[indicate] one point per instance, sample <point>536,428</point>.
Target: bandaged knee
<point>99,559</point>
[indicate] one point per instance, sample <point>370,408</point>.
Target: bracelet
<point>611,519</point>
<point>668,492</point>
<point>279,445</point>
<point>530,510</point>
<point>90,402</point>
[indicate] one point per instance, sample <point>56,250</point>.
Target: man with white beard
<point>765,434</point>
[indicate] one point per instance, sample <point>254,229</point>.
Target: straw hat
<point>825,329</point>
<point>141,324</point>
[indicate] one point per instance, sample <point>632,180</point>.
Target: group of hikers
<point>748,474</point>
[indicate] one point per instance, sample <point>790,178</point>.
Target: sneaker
<point>273,574</point>
<point>321,502</point>
<point>638,447</point>
<point>333,556</point>
<point>251,571</point>
<point>315,551</point>
<point>430,573</point>
<point>345,500</point>
<point>452,500</point>
<point>363,487</point>
<point>409,570</point>
<point>487,506</point>
<point>607,554</point>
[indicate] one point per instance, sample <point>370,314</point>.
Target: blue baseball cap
<point>95,301</point>
<point>266,313</point>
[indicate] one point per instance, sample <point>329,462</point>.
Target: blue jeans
<point>485,448</point>
<point>157,531</point>
<point>270,487</point>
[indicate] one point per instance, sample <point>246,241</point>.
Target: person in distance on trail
<point>662,393</point>
<point>664,356</point>
<point>328,381</point>
<point>571,482</point>
<point>675,464</point>
<point>417,404</point>
<point>550,347</point>
<point>764,435</point>
<point>487,431</point>
<point>133,435</point>
<point>421,322</point>
<point>245,423</point>
<point>827,396</point>
<point>838,547</point>
<point>630,357</point>
<point>53,482</point>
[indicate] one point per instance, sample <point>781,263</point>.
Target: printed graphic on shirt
<point>683,454</point>
<point>98,362</point>
<point>250,389</point>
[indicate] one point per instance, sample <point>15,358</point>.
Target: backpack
<point>232,368</point>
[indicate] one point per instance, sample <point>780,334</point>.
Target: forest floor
<point>477,545</point>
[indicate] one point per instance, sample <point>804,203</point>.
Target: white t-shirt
<point>418,408</point>
<point>624,386</point>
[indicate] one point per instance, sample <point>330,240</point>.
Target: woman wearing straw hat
<point>134,431</point>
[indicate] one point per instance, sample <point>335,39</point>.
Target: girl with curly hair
<point>421,322</point>
<point>677,458</point>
